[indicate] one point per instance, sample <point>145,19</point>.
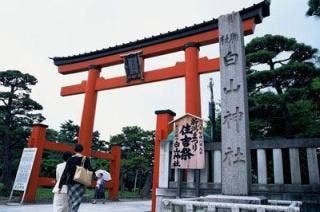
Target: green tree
<point>314,8</point>
<point>280,73</point>
<point>69,132</point>
<point>97,143</point>
<point>17,114</point>
<point>136,157</point>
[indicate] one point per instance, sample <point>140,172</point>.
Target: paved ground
<point>121,206</point>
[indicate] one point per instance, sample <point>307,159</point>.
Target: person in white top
<point>60,199</point>
<point>99,190</point>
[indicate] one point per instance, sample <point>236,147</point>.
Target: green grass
<point>46,193</point>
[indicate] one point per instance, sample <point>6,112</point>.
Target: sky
<point>34,30</point>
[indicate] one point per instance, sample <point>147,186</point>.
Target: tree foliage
<point>283,88</point>
<point>314,8</point>
<point>17,114</point>
<point>136,157</point>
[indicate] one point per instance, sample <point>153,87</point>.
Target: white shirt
<point>59,171</point>
<point>99,182</point>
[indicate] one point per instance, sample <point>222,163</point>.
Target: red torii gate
<point>189,39</point>
<point>38,140</point>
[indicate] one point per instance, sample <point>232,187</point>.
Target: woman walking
<point>76,190</point>
<point>60,200</point>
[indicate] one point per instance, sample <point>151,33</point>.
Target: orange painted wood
<point>204,38</point>
<point>192,82</point>
<point>162,130</point>
<point>49,145</point>
<point>103,155</point>
<point>149,76</point>
<point>73,89</point>
<point>88,112</point>
<point>115,172</point>
<point>36,140</point>
<point>205,66</point>
<point>57,146</point>
<point>47,181</point>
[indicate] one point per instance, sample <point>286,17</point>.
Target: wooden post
<point>192,90</point>
<point>89,109</point>
<point>36,140</point>
<point>115,172</point>
<point>162,130</point>
<point>192,80</point>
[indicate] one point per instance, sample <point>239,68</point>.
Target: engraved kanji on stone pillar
<point>234,109</point>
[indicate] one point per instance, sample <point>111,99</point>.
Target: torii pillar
<point>89,110</point>
<point>192,89</point>
<point>192,80</point>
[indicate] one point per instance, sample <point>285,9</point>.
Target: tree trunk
<point>6,151</point>
<point>135,182</point>
<point>140,181</point>
<point>287,120</point>
<point>147,186</point>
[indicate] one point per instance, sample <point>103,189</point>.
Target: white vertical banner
<point>24,169</point>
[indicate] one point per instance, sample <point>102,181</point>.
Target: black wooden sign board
<point>133,64</point>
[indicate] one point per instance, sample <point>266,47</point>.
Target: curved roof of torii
<point>257,11</point>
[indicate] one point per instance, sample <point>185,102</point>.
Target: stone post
<point>217,166</point>
<point>262,166</point>
<point>277,166</point>
<point>234,107</point>
<point>295,166</point>
<point>313,166</point>
<point>164,167</point>
<point>204,173</point>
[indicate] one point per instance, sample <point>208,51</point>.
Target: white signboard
<point>24,169</point>
<point>188,145</point>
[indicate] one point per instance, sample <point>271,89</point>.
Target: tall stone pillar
<point>234,107</point>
